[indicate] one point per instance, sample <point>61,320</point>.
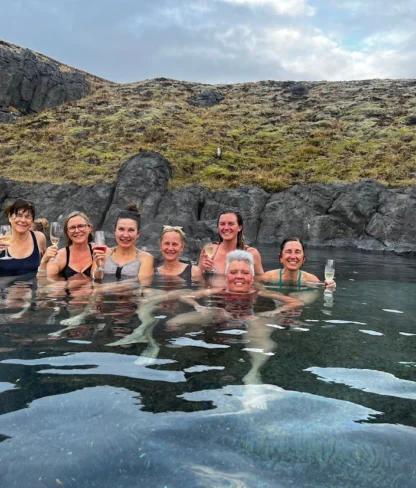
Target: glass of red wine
<point>99,244</point>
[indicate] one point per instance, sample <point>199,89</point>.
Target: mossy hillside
<point>269,136</point>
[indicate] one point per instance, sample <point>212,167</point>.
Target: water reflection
<point>100,386</point>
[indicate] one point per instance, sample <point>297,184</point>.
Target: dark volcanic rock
<point>143,179</point>
<point>365,215</point>
<point>31,85</point>
<point>7,117</point>
<point>206,99</point>
<point>249,201</point>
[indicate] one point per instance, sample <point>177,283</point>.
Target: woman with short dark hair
<point>292,256</point>
<point>25,246</point>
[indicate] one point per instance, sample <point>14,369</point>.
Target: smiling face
<point>78,229</point>
<point>21,221</point>
<point>292,256</point>
<point>228,227</point>
<point>126,232</point>
<point>239,277</point>
<point>171,246</point>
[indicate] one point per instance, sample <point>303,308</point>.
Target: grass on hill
<point>269,137</point>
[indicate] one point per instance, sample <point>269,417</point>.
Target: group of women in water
<point>28,251</point>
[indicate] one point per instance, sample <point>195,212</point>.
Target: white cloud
<point>310,54</point>
<point>282,7</point>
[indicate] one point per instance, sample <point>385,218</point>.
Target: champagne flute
<point>5,239</point>
<point>208,249</point>
<point>54,235</point>
<point>329,269</point>
<point>99,244</point>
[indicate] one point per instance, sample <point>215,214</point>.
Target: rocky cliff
<point>365,215</point>
<point>30,85</point>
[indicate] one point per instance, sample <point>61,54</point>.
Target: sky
<point>220,41</point>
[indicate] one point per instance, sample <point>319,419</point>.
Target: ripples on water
<point>124,391</point>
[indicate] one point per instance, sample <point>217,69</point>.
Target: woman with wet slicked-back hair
<point>292,256</point>
<point>25,246</point>
<point>230,231</point>
<point>124,260</point>
<point>76,257</point>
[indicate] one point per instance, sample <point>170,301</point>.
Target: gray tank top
<point>128,270</point>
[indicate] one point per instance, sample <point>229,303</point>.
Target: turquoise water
<point>170,397</point>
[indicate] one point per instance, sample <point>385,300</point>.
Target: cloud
<point>220,40</point>
<point>282,7</point>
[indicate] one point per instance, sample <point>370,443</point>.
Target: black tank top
<point>16,266</point>
<point>67,272</point>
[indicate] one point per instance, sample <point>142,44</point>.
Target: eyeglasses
<point>175,228</point>
<point>80,227</point>
<point>22,215</point>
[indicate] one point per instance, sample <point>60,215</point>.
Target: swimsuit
<point>127,270</point>
<point>67,271</point>
<point>185,275</point>
<point>299,281</point>
<point>22,265</point>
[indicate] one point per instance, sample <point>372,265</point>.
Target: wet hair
<point>239,255</point>
<point>130,212</point>
<point>291,239</point>
<point>41,225</point>
<point>240,238</point>
<point>173,228</point>
<point>20,205</point>
<point>70,216</point>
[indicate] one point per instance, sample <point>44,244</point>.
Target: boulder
<point>143,179</point>
<point>31,85</point>
<point>250,201</point>
<point>206,99</point>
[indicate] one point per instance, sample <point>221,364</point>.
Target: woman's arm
<point>48,266</point>
<point>196,273</point>
<point>98,259</point>
<point>146,265</point>
<point>272,275</point>
<point>204,262</point>
<point>41,239</point>
<point>258,266</point>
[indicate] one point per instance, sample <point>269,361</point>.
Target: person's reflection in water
<point>235,311</point>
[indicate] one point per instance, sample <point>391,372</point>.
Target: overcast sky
<point>217,41</point>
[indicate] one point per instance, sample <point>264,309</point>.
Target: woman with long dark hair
<point>230,231</point>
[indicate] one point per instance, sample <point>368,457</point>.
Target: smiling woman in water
<point>24,246</point>
<point>292,256</point>
<point>230,231</point>
<point>124,260</point>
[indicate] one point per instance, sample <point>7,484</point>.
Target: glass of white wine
<point>5,239</point>
<point>329,269</point>
<point>55,234</point>
<point>208,249</point>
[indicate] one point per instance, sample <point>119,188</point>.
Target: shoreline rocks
<point>364,215</point>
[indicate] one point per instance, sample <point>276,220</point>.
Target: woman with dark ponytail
<point>124,260</point>
<point>230,232</point>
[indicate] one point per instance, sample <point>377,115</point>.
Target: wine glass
<point>5,239</point>
<point>55,234</point>
<point>99,244</point>
<point>208,248</point>
<point>329,269</point>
